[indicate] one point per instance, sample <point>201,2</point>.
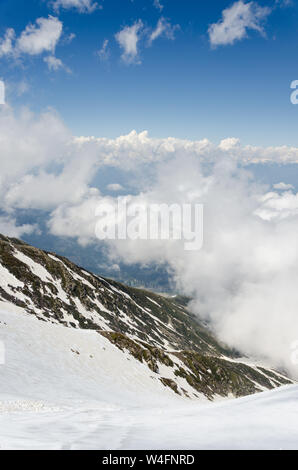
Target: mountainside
<point>67,388</point>
<point>178,352</point>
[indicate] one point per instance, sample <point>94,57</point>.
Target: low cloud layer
<point>243,280</point>
<point>41,164</point>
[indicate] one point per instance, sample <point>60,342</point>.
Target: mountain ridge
<point>159,332</point>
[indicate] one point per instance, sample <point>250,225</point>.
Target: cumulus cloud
<point>29,142</point>
<point>283,186</point>
<point>53,63</point>
<point>76,220</point>
<point>278,206</point>
<point>9,227</point>
<point>83,6</point>
<point>40,37</point>
<point>230,143</point>
<point>236,21</point>
<point>128,39</point>
<point>36,39</point>
<point>114,187</point>
<point>47,166</point>
<point>163,28</point>
<point>6,43</point>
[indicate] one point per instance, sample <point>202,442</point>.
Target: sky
<point>161,102</point>
<point>165,66</point>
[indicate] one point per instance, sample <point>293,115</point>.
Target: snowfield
<point>63,388</point>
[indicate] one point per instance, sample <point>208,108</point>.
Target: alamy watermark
<point>123,220</point>
<point>294,94</point>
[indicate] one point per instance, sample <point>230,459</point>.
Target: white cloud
<point>229,143</point>
<point>43,36</point>
<point>36,39</point>
<point>68,39</point>
<point>236,21</point>
<point>22,87</point>
<point>45,166</point>
<point>104,52</point>
<point>6,44</point>
<point>83,6</point>
<point>158,5</point>
<point>9,227</point>
<point>128,39</point>
<point>40,37</point>
<point>28,142</point>
<point>163,28</point>
<point>278,206</point>
<point>114,187</point>
<point>283,186</point>
<point>55,64</point>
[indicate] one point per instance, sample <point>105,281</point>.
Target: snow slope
<point>63,388</point>
<point>177,348</point>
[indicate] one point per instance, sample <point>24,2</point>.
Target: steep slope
<point>67,388</point>
<point>156,331</point>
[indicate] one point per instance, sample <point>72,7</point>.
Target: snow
<point>35,268</point>
<point>7,279</point>
<point>256,364</point>
<point>120,292</point>
<point>75,276</point>
<point>64,388</point>
<point>92,315</point>
<point>39,271</point>
<point>153,301</point>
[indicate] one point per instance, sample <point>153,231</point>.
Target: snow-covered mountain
<point>67,388</point>
<point>175,349</point>
<point>92,364</point>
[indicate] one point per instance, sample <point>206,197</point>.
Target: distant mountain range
<point>178,350</point>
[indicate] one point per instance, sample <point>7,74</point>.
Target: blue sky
<point>178,86</point>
